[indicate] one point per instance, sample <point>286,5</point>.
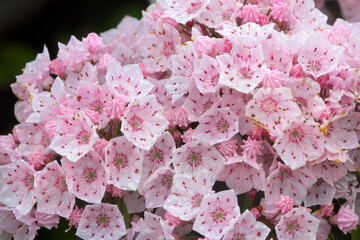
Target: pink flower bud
<point>228,148</point>
<point>187,135</point>
<point>94,43</point>
<point>328,210</point>
<point>177,135</point>
<point>172,220</point>
<point>7,141</point>
<point>250,13</point>
<point>170,116</point>
<point>57,68</point>
<point>75,216</point>
<point>92,115</point>
<point>206,45</point>
<point>280,11</point>
<point>103,63</point>
<point>181,118</point>
<point>115,108</point>
<point>297,71</point>
<point>255,212</point>
<point>226,47</point>
<point>50,128</point>
<point>346,219</point>
<point>272,79</point>
<point>115,192</point>
<point>36,158</point>
<point>99,147</point>
<point>263,20</point>
<point>284,204</point>
<point>252,194</point>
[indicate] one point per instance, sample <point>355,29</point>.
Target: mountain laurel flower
<point>163,127</point>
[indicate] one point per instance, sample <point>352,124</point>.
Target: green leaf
<point>355,234</point>
<point>127,217</point>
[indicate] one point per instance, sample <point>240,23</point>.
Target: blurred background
<point>27,25</point>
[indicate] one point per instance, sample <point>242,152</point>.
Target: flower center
<point>218,215</point>
<point>62,185</point>
<point>103,221</point>
<point>292,226</point>
<point>315,66</point>
<point>245,73</point>
<point>156,156</point>
<point>90,176</point>
<point>84,137</point>
<point>296,135</point>
<point>194,159</point>
<point>197,199</point>
<point>223,125</point>
<point>167,180</point>
<point>194,7</point>
<point>120,161</point>
<point>268,106</point>
<point>29,181</point>
<point>136,123</point>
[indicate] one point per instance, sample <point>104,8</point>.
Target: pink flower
<point>183,10</point>
<point>217,125</point>
<point>218,214</point>
<point>219,12</point>
<point>101,221</point>
<point>321,193</point>
<point>346,219</point>
<point>144,122</point>
<point>272,109</point>
<point>299,143</point>
<point>123,163</point>
<point>188,192</point>
<point>297,224</point>
<point>182,66</point>
<point>248,228</point>
<point>74,54</point>
<point>197,103</point>
<point>243,69</point>
<point>86,178</point>
<point>280,11</point>
<point>196,156</point>
<point>158,46</point>
<point>127,82</point>
<point>293,183</point>
<point>157,187</point>
<point>318,56</point>
<point>52,191</point>
<point>242,175</point>
<point>206,74</point>
<point>159,155</point>
<point>75,136</point>
<point>17,186</point>
<point>154,227</point>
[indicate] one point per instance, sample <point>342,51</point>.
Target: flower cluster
<point>216,119</point>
